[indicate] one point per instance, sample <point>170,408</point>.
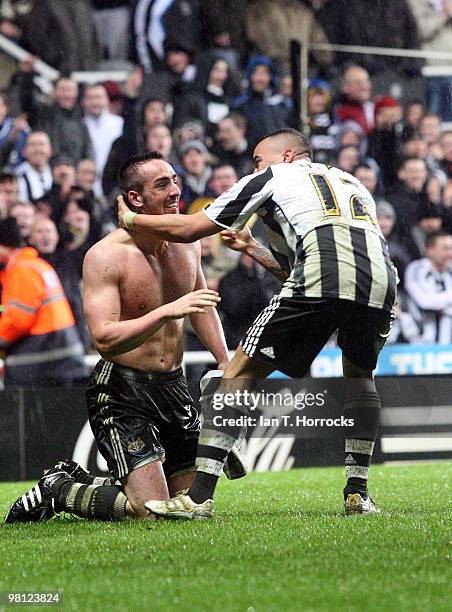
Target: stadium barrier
<point>40,426</point>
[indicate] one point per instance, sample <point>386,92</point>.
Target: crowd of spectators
<point>207,81</point>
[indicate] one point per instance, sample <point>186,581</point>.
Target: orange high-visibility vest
<point>37,327</point>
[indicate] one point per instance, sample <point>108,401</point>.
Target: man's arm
<point>174,228</point>
<point>208,327</point>
<point>102,305</point>
<point>230,210</point>
<point>244,242</point>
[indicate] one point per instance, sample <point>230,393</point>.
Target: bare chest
<point>150,281</point>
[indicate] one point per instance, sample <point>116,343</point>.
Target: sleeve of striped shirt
<point>233,208</point>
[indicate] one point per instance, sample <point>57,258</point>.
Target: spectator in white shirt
<point>103,126</point>
<point>428,282</point>
<point>34,174</point>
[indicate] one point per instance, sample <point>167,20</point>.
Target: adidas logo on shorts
<point>268,352</point>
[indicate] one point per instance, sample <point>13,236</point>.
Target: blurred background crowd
<point>206,80</point>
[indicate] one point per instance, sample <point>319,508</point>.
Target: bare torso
<point>146,282</point>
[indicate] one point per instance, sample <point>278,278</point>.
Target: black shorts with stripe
<point>138,417</point>
<point>290,332</point>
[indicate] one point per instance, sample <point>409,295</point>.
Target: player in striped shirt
<point>325,241</point>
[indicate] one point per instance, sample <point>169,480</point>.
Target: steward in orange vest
<point>37,327</point>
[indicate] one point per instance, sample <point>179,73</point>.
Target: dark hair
<point>414,101</point>
<point>81,198</point>
<point>223,165</point>
<point>431,239</point>
<point>129,175</point>
<point>8,177</point>
<point>293,135</point>
<point>407,159</point>
<point>364,165</point>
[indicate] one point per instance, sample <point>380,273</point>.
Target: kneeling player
<point>137,292</point>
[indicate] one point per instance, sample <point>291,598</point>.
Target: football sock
<point>220,431</point>
<point>104,503</point>
<point>81,475</point>
<point>362,404</point>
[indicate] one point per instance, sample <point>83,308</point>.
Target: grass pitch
<point>279,541</point>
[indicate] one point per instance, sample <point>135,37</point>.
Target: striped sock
<point>104,503</point>
<point>218,435</point>
<point>358,455</point>
<point>364,408</point>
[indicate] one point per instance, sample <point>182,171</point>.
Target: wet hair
<point>129,175</point>
<point>296,138</point>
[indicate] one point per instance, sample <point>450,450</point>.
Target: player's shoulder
<point>113,248</point>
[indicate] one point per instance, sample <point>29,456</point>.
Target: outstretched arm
<point>230,210</point>
<point>244,242</point>
<point>174,228</point>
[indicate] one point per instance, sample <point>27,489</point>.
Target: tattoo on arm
<point>264,257</point>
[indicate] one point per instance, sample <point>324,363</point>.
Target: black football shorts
<point>290,332</point>
<point>138,417</point>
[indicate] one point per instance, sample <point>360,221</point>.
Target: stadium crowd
<point>207,81</point>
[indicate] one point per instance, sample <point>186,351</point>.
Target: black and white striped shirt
<point>430,292</point>
<point>321,225</point>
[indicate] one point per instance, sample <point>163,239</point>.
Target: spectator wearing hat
<point>351,133</point>
<point>37,327</point>
<point>197,171</point>
<point>263,107</point>
<point>35,174</point>
<point>386,138</point>
<point>103,127</point>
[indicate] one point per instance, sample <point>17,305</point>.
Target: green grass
<point>279,541</point>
